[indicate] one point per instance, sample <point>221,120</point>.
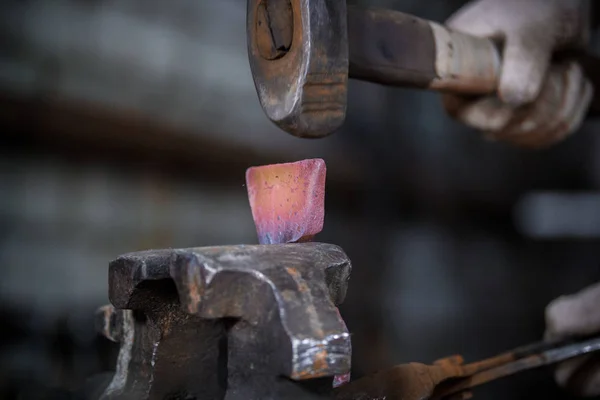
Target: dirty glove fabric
<point>558,111</point>
<point>576,315</point>
<point>530,31</point>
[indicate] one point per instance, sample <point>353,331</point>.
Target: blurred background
<point>128,125</point>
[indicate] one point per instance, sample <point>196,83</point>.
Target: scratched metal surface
<point>439,264</point>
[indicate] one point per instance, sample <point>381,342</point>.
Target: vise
<point>227,322</point>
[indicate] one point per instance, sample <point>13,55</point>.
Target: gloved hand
<point>537,104</point>
<point>576,315</point>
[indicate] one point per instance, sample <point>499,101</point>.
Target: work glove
<point>572,316</point>
<point>537,103</point>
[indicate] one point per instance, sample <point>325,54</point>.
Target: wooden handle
<point>397,49</point>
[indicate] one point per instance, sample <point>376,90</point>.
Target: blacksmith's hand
<point>571,316</point>
<point>538,103</point>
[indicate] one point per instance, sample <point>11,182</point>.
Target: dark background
<point>128,125</point>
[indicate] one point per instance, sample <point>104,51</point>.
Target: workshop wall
<point>128,125</point>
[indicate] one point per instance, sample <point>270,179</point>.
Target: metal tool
<point>227,322</point>
<point>449,377</point>
<point>303,51</point>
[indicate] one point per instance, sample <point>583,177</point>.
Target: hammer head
<point>298,51</point>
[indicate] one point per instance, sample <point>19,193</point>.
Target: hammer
<point>303,51</point>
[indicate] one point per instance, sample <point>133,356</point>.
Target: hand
<point>537,103</point>
<point>558,111</point>
<point>576,315</point>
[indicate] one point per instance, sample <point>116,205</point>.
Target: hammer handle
<point>397,49</point>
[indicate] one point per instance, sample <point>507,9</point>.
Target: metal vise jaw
<point>228,322</point>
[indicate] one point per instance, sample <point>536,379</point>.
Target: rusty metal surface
<point>518,360</point>
<point>228,322</point>
<point>302,52</point>
<point>302,87</point>
<point>450,378</point>
<point>164,351</point>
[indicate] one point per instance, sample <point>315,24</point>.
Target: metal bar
<point>547,357</point>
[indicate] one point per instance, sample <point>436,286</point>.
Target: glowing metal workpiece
<point>287,200</point>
